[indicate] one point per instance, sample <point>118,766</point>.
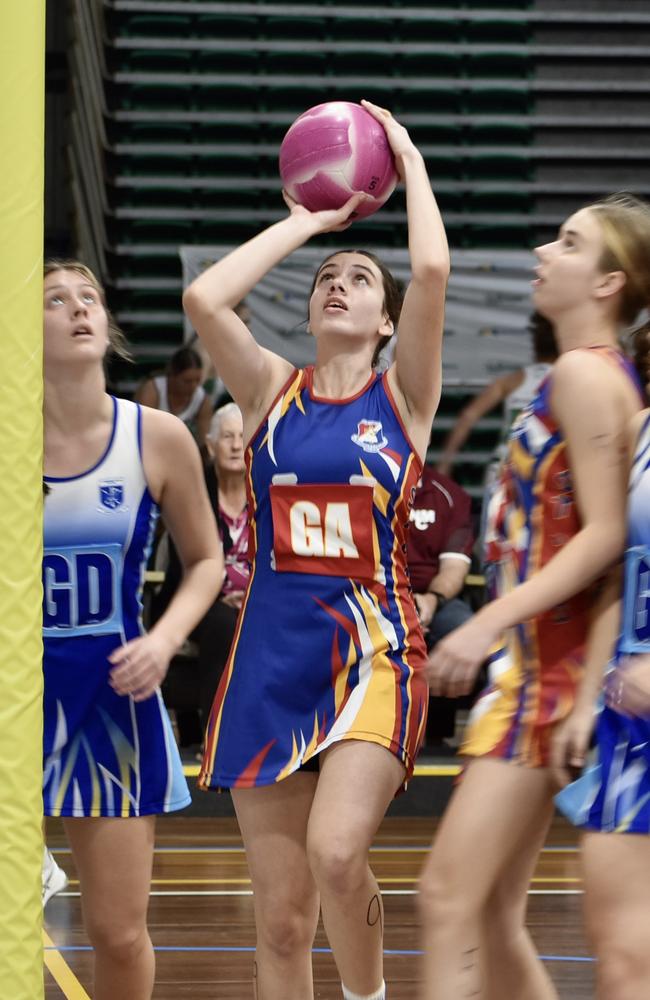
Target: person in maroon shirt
<point>439,547</point>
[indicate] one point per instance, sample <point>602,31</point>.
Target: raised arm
<point>252,374</point>
<point>416,372</point>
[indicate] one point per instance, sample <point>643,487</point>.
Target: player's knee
<point>337,865</point>
<point>120,941</point>
<point>286,928</point>
<point>438,901</point>
<point>624,967</point>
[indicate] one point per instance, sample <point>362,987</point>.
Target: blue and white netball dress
<point>328,645</point>
<point>104,754</point>
<point>613,796</point>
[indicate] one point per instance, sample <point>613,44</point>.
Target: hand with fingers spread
<point>455,661</point>
<point>329,220</point>
<point>139,666</point>
<point>399,140</point>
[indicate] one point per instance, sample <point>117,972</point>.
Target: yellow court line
<point>61,972</point>
<point>421,770</point>
<point>402,880</point>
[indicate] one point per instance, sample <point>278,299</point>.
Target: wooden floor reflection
<point>201,914</point>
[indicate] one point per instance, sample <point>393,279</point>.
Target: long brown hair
<point>117,342</point>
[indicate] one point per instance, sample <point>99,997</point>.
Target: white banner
<point>488,305</point>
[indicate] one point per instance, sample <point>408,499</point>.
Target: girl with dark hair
<point>179,391</point>
<point>322,707</point>
<point>110,760</point>
<point>556,524</point>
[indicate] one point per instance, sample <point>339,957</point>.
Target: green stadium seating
<point>287,27</point>
<point>150,25</point>
<point>153,60</point>
<point>445,64</point>
<point>159,96</point>
<point>221,26</point>
<point>434,99</point>
<point>361,29</point>
<point>498,64</point>
<point>498,166</point>
<point>295,63</point>
<point>497,101</point>
<point>225,97</point>
<point>355,63</point>
<point>233,60</point>
<point>430,30</point>
<point>510,201</point>
<point>485,32</point>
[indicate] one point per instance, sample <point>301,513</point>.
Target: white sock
<point>379,994</point>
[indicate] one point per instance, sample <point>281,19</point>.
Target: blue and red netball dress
<point>328,645</point>
<point>614,795</point>
<point>104,754</point>
<point>534,671</point>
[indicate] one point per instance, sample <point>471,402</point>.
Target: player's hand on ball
<point>454,662</point>
<point>398,138</point>
<point>139,667</point>
<point>329,220</point>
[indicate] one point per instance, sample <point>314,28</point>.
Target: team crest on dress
<point>111,494</point>
<point>370,435</point>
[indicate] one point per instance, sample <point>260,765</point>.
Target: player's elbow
<point>433,271</point>
<point>612,537</point>
<point>195,305</point>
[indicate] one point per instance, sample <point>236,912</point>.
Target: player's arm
<point>476,409</point>
<point>448,582</point>
<point>588,406</point>
<point>175,477</point>
<point>416,373</point>
<point>147,394</point>
<point>252,374</point>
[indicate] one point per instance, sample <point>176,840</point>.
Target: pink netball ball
<point>331,152</point>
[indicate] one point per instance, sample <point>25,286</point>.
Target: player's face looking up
<point>569,271</point>
<point>348,296</point>
<point>75,320</point>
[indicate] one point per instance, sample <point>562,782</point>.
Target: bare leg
<point>273,822</point>
<point>114,859</point>
<point>511,967</point>
<point>356,784</point>
<point>617,903</point>
<point>487,826</point>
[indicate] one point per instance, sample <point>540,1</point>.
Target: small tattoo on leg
<point>375,913</point>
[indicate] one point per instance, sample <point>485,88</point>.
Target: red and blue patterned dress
<point>328,645</point>
<point>536,666</point>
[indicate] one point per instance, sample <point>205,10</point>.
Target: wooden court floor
<point>201,914</point>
